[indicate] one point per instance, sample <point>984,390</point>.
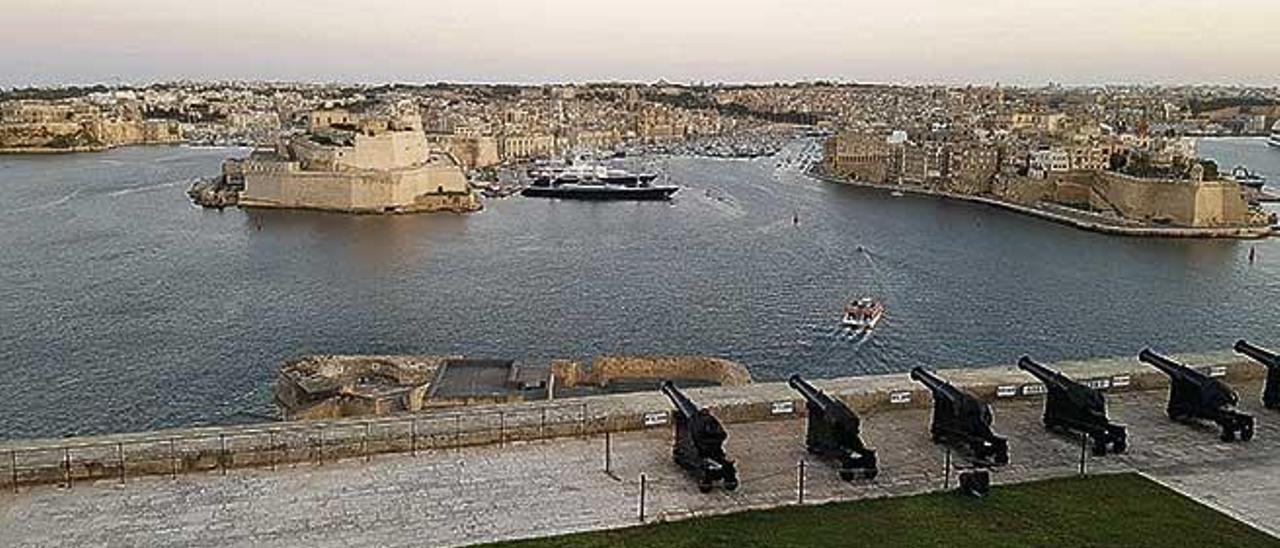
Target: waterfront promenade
<point>484,493</point>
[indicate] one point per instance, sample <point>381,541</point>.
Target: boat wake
<point>50,205</point>
<point>148,187</point>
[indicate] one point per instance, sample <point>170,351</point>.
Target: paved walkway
<point>456,497</point>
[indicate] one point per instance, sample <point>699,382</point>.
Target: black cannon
<point>1271,390</point>
<point>699,443</point>
<point>1074,406</point>
<point>962,420</point>
<point>834,431</point>
<point>1194,395</point>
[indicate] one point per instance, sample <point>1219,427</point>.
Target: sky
<point>1019,42</point>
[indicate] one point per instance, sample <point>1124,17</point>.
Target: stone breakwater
<point>1081,220</point>
<point>178,451</point>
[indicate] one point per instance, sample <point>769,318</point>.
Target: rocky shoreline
<point>214,193</point>
<point>52,150</point>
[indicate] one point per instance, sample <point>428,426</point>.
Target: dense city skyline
<point>917,41</point>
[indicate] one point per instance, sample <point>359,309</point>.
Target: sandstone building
<point>358,165</point>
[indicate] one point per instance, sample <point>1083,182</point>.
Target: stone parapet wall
<point>197,449</point>
<point>607,369</point>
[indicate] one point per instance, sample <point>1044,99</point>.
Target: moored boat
<point>595,182</point>
<point>599,191</point>
<point>1248,178</point>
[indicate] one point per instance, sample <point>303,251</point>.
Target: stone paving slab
<point>476,494</point>
<point>1248,491</point>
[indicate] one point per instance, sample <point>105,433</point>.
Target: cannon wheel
<point>871,473</point>
<point>704,485</point>
<point>731,485</point>
<point>1099,448</point>
<point>1246,433</point>
<point>1119,446</point>
<point>1228,435</point>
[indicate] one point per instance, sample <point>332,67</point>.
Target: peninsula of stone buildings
<point>81,125</point>
<point>1112,183</point>
<point>347,163</point>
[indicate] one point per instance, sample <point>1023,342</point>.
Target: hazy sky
<point>980,41</point>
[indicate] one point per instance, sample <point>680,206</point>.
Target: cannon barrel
<point>1262,355</point>
<point>935,383</point>
<point>683,404</point>
<point>810,393</point>
<point>1046,375</point>
<point>1168,366</point>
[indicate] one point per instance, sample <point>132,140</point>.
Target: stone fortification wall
<point>90,135</point>
<point>385,151</point>
<point>607,369</point>
<point>1176,203</point>
<point>472,151</point>
<point>132,133</point>
<point>52,135</point>
<point>1183,203</point>
<point>196,449</point>
<point>431,187</point>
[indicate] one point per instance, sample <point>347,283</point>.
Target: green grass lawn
<point>1121,510</point>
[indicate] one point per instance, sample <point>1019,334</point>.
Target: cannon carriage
<point>1270,390</point>
<point>698,447</point>
<point>834,431</point>
<point>1072,406</point>
<point>1196,396</point>
<point>962,421</point>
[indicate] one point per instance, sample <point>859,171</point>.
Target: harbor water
<point>123,307</point>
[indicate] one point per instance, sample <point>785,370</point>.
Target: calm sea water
<point>124,308</point>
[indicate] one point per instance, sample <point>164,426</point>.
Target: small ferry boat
<point>863,314</point>
<point>1274,140</point>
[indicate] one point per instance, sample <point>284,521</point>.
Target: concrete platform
<point>475,494</point>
